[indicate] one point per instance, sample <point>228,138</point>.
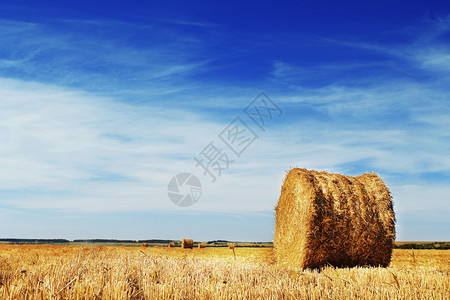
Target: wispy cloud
<point>97,55</point>
<point>424,49</point>
<point>188,23</point>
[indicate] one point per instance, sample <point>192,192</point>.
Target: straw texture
<point>187,244</point>
<point>324,218</point>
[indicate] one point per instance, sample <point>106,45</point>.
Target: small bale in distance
<point>144,245</point>
<point>201,246</point>
<point>324,218</point>
<point>230,246</point>
<point>171,244</point>
<point>187,244</point>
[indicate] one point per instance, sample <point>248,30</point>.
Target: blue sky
<point>102,103</point>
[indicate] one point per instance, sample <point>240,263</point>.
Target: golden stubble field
<point>77,272</point>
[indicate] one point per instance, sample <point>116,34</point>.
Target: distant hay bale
<point>171,244</point>
<point>230,246</point>
<point>187,244</point>
<point>324,218</point>
<point>145,245</point>
<point>201,246</point>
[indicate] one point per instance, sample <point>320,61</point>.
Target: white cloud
<point>92,54</point>
<point>75,145</point>
<point>436,61</point>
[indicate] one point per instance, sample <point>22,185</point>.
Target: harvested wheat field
<point>76,272</point>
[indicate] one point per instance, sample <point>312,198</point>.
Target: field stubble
<point>76,272</point>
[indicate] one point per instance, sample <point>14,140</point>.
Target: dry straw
<point>171,244</point>
<point>187,244</point>
<point>201,245</point>
<point>324,218</point>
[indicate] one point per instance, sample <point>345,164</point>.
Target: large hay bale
<point>187,244</point>
<point>324,218</point>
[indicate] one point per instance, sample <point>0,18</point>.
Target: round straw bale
<point>231,246</point>
<point>201,245</point>
<point>324,218</point>
<point>145,245</point>
<point>171,244</point>
<point>187,244</point>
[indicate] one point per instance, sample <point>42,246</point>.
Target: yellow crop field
<point>77,272</point>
